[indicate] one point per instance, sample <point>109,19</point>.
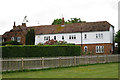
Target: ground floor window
<point>18,39</point>
<point>99,49</point>
<point>12,38</point>
<point>85,49</point>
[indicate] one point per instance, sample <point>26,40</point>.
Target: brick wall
<point>92,48</point>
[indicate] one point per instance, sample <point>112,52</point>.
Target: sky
<point>43,12</point>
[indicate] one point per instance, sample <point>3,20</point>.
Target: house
<point>93,37</point>
<point>18,34</point>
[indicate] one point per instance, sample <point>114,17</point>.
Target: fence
<point>11,64</point>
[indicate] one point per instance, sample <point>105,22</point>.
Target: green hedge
<point>40,51</point>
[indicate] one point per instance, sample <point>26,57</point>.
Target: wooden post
<point>97,58</point>
<point>106,58</point>
<point>22,63</point>
<point>59,61</point>
<point>88,59</point>
<point>74,60</point>
<point>42,62</point>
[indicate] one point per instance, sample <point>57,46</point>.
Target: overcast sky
<point>43,12</point>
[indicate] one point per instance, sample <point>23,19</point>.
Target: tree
<point>72,20</point>
<point>57,21</point>
<point>30,37</point>
<point>117,40</point>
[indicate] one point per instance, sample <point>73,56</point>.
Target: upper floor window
<point>99,49</point>
<point>85,36</point>
<point>72,37</point>
<point>62,37</point>
<point>99,35</point>
<point>46,37</point>
<point>54,37</point>
<point>85,48</point>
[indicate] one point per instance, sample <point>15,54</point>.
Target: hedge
<point>40,51</point>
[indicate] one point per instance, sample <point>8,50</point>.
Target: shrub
<point>40,51</point>
<point>55,42</point>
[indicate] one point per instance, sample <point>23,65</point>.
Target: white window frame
<point>46,38</point>
<point>12,38</point>
<point>63,38</point>
<point>85,36</point>
<point>99,36</point>
<point>99,49</point>
<point>18,39</point>
<point>55,37</point>
<point>85,48</point>
<point>72,37</point>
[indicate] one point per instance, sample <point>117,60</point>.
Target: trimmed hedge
<point>40,51</point>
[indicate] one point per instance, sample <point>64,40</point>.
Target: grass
<point>90,71</point>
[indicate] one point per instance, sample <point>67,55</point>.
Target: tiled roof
<point>72,28</point>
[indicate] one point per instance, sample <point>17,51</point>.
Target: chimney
<point>24,24</point>
<point>14,25</point>
<point>63,21</point>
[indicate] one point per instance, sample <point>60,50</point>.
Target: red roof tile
<point>72,28</point>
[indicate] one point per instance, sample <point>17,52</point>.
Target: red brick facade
<point>92,48</point>
<point>17,31</point>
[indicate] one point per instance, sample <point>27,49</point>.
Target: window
<point>72,37</point>
<point>85,48</point>
<point>18,39</point>
<point>46,37</point>
<point>54,37</point>
<point>100,35</point>
<point>62,37</point>
<point>99,49</point>
<point>85,36</point>
<point>96,35</point>
<point>12,38</point>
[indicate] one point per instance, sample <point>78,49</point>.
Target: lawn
<point>90,71</point>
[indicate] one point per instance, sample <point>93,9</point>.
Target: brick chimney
<point>24,24</point>
<point>63,21</point>
<point>14,25</point>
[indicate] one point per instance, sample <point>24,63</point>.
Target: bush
<point>40,51</point>
<point>11,43</point>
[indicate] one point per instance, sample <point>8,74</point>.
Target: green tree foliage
<point>72,20</point>
<point>57,21</point>
<point>30,37</point>
<point>117,40</point>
